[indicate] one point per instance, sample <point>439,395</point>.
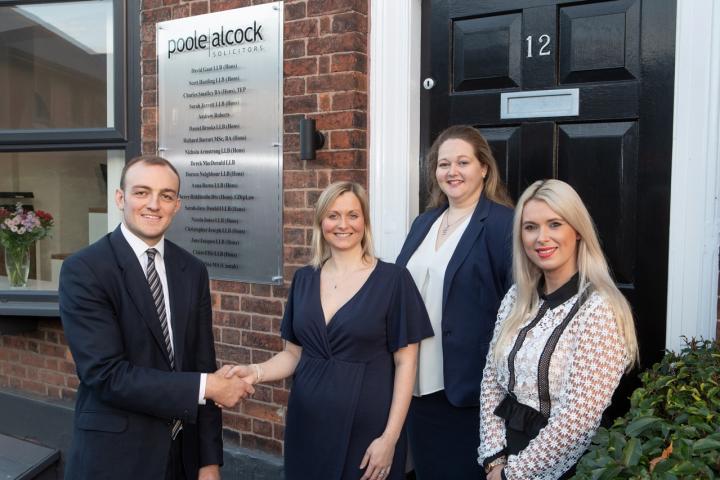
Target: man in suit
<point>137,316</point>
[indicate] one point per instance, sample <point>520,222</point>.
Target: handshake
<point>230,384</point>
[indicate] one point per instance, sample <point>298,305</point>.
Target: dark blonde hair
<point>493,186</point>
<point>320,251</point>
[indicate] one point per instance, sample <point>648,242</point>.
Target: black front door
<point>618,56</point>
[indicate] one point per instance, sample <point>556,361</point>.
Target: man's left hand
<point>209,472</point>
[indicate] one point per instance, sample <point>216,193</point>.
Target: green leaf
<point>662,467</point>
<point>685,468</point>
<point>632,452</point>
<point>638,425</point>
<point>601,437</point>
<point>653,447</point>
<point>610,473</point>
<point>705,444</point>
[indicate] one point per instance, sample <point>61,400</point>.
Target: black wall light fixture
<point>310,139</point>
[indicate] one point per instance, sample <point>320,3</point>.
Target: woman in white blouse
<point>564,337</point>
<point>459,255</point>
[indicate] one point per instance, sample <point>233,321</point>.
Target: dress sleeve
<point>492,392</point>
<point>407,320</point>
<point>597,366</point>
<point>286,327</point>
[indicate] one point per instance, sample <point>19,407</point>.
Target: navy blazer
<point>128,393</point>
<point>476,279</point>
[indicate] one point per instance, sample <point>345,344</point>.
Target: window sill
<point>38,299</point>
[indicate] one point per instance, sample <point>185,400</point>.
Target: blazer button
<point>447,333</point>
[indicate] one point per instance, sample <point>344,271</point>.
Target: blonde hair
<point>592,266</point>
<point>493,186</point>
<point>320,251</point>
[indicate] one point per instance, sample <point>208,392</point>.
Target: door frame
<point>692,297</point>
<point>394,121</point>
<point>394,157</point>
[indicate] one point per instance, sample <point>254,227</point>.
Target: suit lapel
<point>416,236</point>
<point>471,233</point>
<point>137,287</point>
<point>179,299</point>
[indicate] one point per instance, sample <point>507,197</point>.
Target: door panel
<point>600,42</point>
<point>494,39</point>
<point>592,158</point>
<point>616,152</point>
<point>505,145</point>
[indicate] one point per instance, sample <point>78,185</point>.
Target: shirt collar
<point>562,294</point>
<point>139,247</point>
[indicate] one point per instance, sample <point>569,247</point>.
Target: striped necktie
<point>159,299</point>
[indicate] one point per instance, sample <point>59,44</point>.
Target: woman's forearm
<point>280,366</point>
<point>405,368</point>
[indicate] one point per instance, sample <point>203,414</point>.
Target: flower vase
<point>17,265</point>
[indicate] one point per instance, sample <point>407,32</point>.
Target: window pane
<point>56,65</point>
<point>72,187</point>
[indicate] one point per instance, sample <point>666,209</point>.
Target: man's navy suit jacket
<point>476,279</point>
<point>128,393</point>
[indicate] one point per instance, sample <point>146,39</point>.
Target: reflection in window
<point>56,65</point>
<point>72,186</point>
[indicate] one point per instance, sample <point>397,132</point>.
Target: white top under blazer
<point>427,267</point>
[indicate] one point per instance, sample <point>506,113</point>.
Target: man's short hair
<point>148,160</point>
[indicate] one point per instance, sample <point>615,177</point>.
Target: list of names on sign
<point>220,124</point>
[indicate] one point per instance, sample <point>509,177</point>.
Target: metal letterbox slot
<point>540,103</point>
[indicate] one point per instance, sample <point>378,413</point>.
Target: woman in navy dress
<point>459,254</point>
<point>352,324</point>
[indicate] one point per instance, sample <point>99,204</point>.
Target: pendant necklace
<point>349,274</point>
<point>444,229</point>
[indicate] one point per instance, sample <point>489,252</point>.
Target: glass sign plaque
<point>220,123</point>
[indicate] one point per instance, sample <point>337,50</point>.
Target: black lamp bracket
<point>310,139</point>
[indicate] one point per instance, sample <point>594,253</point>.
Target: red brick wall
<point>325,68</point>
<point>38,362</point>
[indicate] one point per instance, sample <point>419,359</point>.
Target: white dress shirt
<point>139,247</point>
<point>427,267</point>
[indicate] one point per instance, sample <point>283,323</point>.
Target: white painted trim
<point>694,215</point>
<point>394,105</point>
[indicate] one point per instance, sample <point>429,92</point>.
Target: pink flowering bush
<point>21,228</point>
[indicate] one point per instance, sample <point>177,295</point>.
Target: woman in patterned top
<point>563,338</point>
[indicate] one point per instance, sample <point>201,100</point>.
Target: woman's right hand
<point>247,373</point>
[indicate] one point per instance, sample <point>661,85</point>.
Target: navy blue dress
<point>342,388</point>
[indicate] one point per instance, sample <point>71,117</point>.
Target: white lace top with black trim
<point>585,369</point>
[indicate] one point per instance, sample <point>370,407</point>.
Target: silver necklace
<point>444,230</point>
<point>336,277</point>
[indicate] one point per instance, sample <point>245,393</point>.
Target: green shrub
<point>672,430</point>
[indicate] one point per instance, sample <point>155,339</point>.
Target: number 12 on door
<point>543,41</point>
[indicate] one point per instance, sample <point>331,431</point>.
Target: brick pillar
<point>325,78</point>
